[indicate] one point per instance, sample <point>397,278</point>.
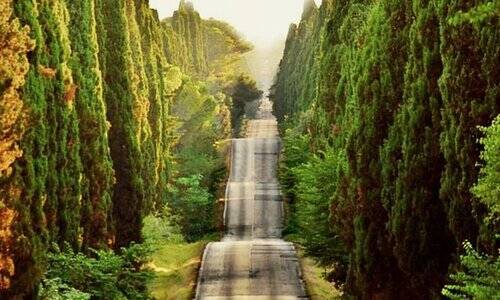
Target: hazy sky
<point>260,21</point>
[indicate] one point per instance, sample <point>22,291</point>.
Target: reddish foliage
<point>47,72</point>
<point>70,94</point>
<point>7,268</point>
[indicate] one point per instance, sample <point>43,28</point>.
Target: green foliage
<point>243,91</point>
<point>48,202</point>
<point>130,195</point>
<point>97,179</point>
<point>186,22</point>
<point>479,277</point>
<point>298,63</point>
<point>312,210</point>
<point>161,227</point>
<point>381,101</point>
<point>488,187</point>
<point>189,198</point>
<point>204,121</point>
<point>469,100</point>
<point>105,276</point>
<point>477,14</point>
<point>55,289</point>
<point>412,163</point>
<point>377,91</point>
<point>232,43</point>
<point>104,140</point>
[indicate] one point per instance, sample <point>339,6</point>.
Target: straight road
<point>252,261</point>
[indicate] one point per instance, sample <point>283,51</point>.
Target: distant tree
<point>243,91</point>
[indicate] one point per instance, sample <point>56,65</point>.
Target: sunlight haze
<point>264,23</point>
<point>260,21</point>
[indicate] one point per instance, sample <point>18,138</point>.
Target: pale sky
<point>259,21</point>
<point>264,23</point>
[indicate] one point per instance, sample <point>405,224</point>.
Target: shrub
<point>56,289</point>
<point>189,199</point>
<point>488,187</point>
<point>104,275</point>
<point>478,279</point>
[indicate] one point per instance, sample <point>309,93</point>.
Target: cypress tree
<point>48,174</point>
<point>89,103</point>
<point>378,91</point>
<point>16,42</point>
<point>309,9</point>
<point>96,66</point>
<point>64,168</point>
<point>159,100</point>
<point>186,22</point>
<point>412,165</point>
<point>470,89</point>
<point>297,64</point>
<point>116,63</point>
<point>140,87</point>
<point>398,91</point>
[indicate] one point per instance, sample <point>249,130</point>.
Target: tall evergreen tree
<point>378,92</point>
<point>398,91</point>
<point>48,207</point>
<point>470,88</point>
<point>14,66</point>
<point>412,164</point>
<point>116,63</point>
<point>89,103</point>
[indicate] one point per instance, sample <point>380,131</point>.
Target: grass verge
<point>176,266</point>
<point>317,287</point>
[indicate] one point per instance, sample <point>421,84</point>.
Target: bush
<point>488,187</point>
<point>106,275</point>
<point>56,289</point>
<point>194,206</point>
<point>161,227</point>
<point>478,279</point>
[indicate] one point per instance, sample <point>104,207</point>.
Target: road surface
<point>252,261</point>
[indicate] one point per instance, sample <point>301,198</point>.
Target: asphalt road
<point>252,261</point>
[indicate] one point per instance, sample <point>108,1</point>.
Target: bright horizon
<point>264,23</point>
<point>259,21</point>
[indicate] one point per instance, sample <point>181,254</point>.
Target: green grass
<point>176,265</point>
<point>317,287</point>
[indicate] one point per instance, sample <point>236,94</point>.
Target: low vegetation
<point>103,274</point>
<point>478,277</point>
<point>316,282</point>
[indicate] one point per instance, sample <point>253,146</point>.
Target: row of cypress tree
<point>380,103</point>
<point>88,90</point>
